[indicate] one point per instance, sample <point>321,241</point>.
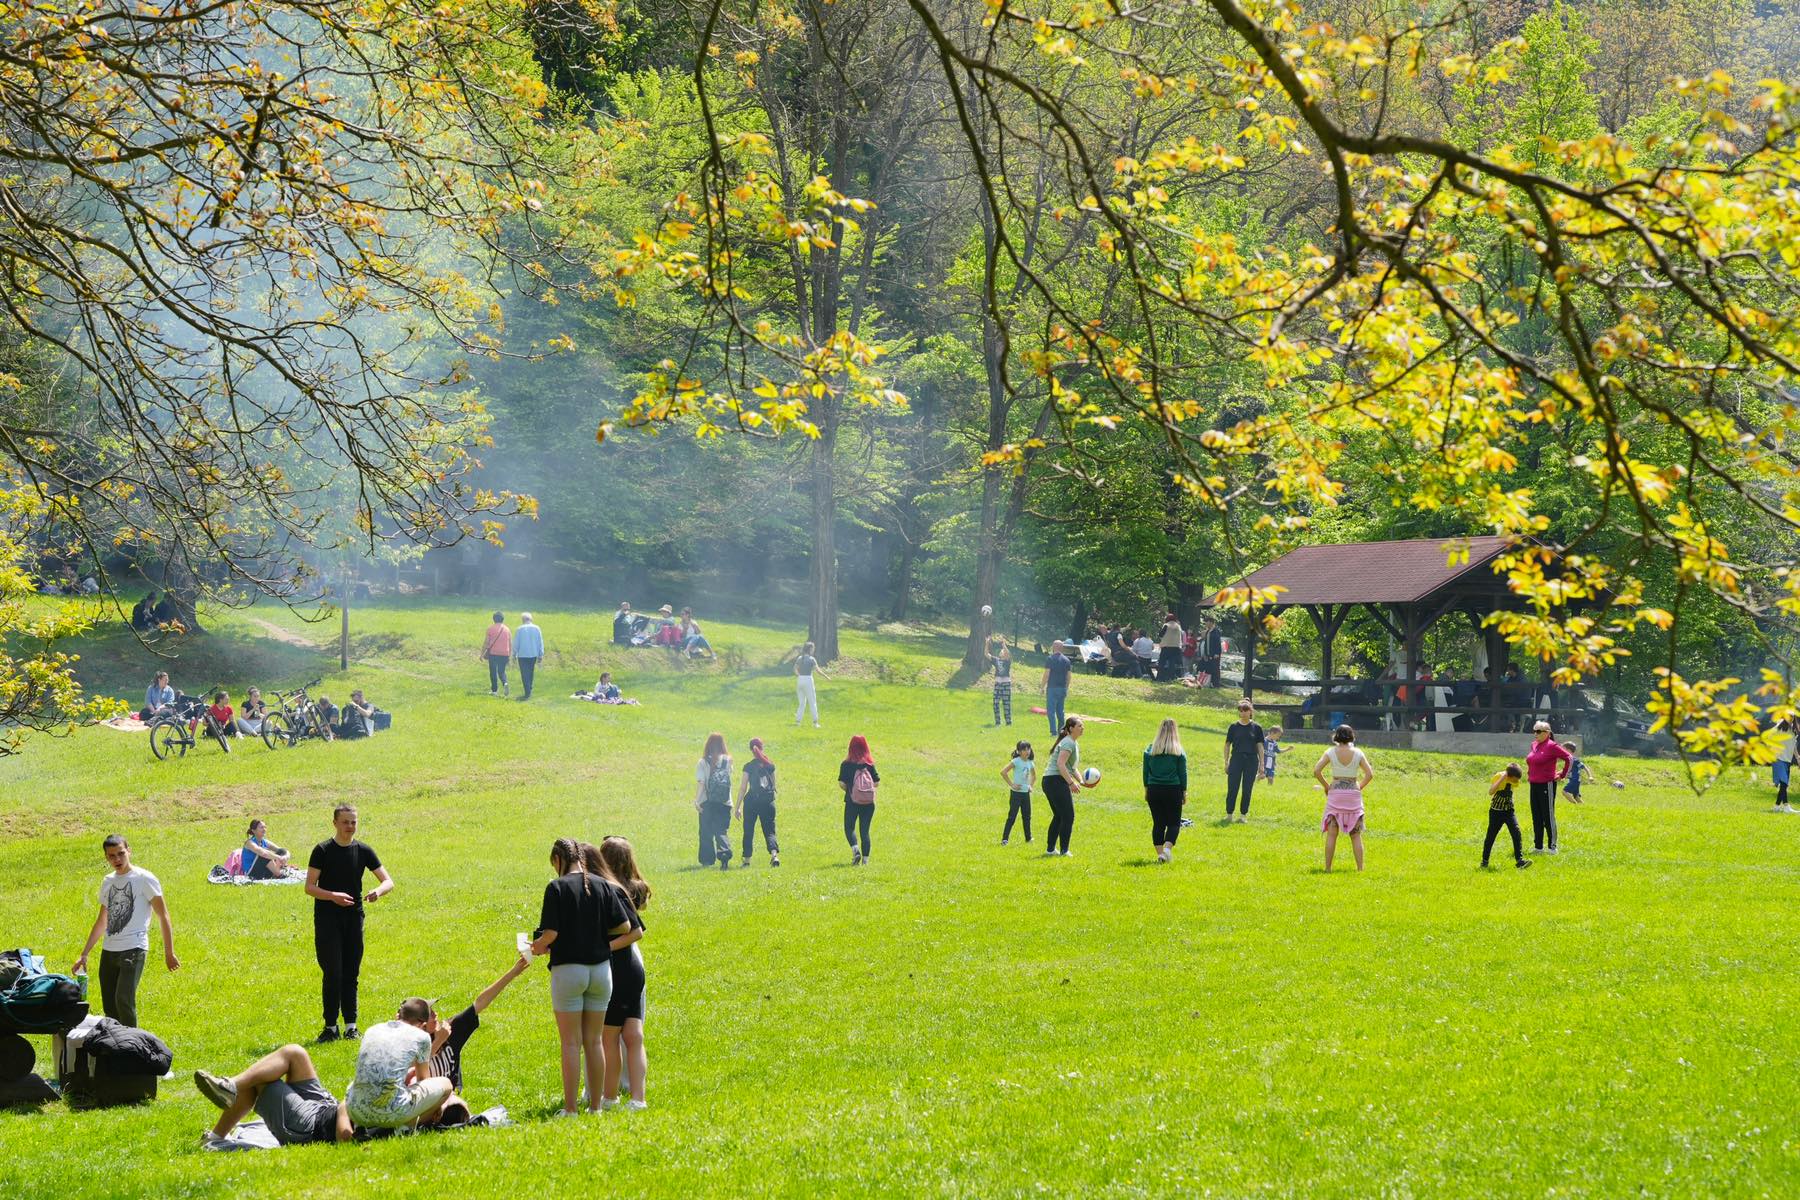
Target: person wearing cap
<point>667,635</point>
<point>528,647</point>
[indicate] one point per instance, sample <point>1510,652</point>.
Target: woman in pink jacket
<point>1546,763</point>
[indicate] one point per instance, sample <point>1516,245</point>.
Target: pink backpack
<point>234,862</point>
<point>862,787</point>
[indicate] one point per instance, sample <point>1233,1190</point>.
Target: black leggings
<point>1062,813</point>
<point>1543,814</point>
<point>1020,807</point>
<point>856,821</point>
<point>338,945</point>
<point>759,809</point>
<point>1499,819</point>
<point>1165,812</point>
<point>1240,772</point>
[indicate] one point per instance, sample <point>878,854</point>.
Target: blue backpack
<point>42,1004</point>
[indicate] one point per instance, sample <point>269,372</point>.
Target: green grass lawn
<point>955,1018</point>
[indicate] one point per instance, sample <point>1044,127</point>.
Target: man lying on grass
<point>285,1091</point>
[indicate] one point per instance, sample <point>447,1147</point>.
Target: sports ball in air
<point>987,610</point>
<point>1090,777</point>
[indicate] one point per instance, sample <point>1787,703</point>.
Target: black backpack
<point>42,1004</point>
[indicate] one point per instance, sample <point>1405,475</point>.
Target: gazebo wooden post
<point>1327,619</point>
<point>1249,646</point>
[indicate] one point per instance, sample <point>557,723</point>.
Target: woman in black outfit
<point>857,777</point>
<point>1061,782</point>
<point>1243,759</point>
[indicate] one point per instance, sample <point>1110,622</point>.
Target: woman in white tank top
<point>1350,773</point>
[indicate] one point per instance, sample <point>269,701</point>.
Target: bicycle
<point>172,729</point>
<point>295,719</point>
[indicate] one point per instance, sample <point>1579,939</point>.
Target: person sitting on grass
<point>359,718</point>
<point>605,692</point>
<point>158,696</point>
<point>253,714</point>
<point>263,859</point>
<point>285,1091</point>
<point>393,1087</point>
<point>448,1039</point>
<point>326,717</point>
<point>693,642</point>
<point>221,714</point>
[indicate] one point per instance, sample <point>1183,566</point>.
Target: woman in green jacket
<point>1165,788</point>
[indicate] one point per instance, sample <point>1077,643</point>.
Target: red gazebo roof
<point>1375,572</point>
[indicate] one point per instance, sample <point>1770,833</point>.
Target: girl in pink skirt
<point>1350,773</point>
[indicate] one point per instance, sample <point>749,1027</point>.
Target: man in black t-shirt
<point>449,1037</point>
<point>1243,758</point>
<point>334,881</point>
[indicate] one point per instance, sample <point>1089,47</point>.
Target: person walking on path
<point>128,896</point>
<point>806,670</point>
<point>1501,815</point>
<point>581,916</point>
<point>496,647</point>
<point>1350,774</point>
<point>1061,783</point>
<point>1056,686</point>
<point>858,779</point>
<point>1168,663</point>
<point>334,881</point>
<point>1243,759</point>
<point>756,802</point>
<point>1001,660</point>
<point>1165,787</point>
<point>1019,774</point>
<point>712,800</point>
<point>1546,765</point>
<point>528,648</point>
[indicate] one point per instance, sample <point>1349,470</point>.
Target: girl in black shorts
<point>624,1025</point>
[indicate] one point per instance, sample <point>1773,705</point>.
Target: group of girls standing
<point>858,779</point>
<point>590,927</point>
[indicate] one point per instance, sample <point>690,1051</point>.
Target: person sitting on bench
<point>285,1091</point>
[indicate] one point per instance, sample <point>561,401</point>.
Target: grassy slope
<point>955,1018</point>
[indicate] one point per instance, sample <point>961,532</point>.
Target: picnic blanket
<point>125,724</point>
<point>254,1134</point>
<point>221,875</point>
<point>588,697</point>
<point>1085,719</point>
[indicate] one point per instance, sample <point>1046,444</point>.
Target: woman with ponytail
<point>1061,782</point>
<point>623,1038</point>
<point>581,915</point>
<point>756,802</point>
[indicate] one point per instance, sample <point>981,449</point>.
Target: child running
<point>1019,774</point>
<point>624,1031</point>
<point>1501,815</point>
<point>1572,785</point>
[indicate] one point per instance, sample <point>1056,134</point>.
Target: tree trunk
<point>901,577</point>
<point>987,569</point>
<point>822,583</point>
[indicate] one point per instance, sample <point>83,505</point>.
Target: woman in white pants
<point>806,667</point>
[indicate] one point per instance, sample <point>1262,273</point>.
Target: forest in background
<point>1073,310</point>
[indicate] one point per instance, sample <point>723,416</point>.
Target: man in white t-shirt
<point>128,895</point>
<point>392,1088</point>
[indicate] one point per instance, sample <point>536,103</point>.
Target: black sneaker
<point>1523,863</point>
<point>774,860</point>
<point>329,1034</point>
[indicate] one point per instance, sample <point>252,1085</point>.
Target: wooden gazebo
<point>1407,587</point>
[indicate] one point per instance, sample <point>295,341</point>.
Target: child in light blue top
<point>1019,774</point>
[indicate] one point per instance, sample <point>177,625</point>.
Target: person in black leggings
<point>1061,782</point>
<point>856,772</point>
<point>1243,759</point>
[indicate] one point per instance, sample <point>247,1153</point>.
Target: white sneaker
<point>608,1105</point>
<point>856,856</point>
<point>636,1105</point>
<point>561,1113</point>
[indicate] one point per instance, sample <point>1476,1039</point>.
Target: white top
<point>1342,772</point>
<point>126,899</point>
<point>387,1052</point>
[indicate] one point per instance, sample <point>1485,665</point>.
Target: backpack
<point>234,862</point>
<point>42,1004</point>
<point>718,784</point>
<point>862,786</point>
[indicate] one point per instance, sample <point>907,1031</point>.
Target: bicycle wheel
<point>274,731</point>
<point>218,733</point>
<point>168,737</point>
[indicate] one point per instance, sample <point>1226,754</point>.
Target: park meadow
<point>956,1018</point>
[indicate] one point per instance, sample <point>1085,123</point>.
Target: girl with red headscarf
<point>857,777</point>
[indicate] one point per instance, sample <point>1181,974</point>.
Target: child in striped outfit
<point>1002,661</point>
<point>1501,815</point>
